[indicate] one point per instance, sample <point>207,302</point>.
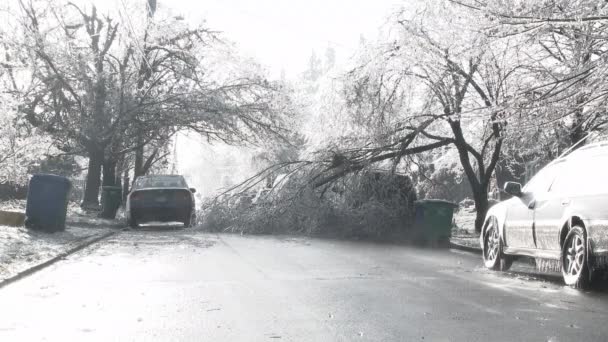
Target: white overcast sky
<point>281,34</point>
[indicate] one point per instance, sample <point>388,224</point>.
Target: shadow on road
<point>160,228</point>
<point>528,272</point>
<point>164,235</point>
<point>92,222</point>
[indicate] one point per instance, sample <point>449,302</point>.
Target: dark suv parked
<point>560,218</point>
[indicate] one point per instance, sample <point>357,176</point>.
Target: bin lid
<point>51,178</point>
<point>435,201</point>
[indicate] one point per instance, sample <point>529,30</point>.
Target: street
<point>164,285</point>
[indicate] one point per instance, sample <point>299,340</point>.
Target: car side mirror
<point>193,190</point>
<point>513,188</point>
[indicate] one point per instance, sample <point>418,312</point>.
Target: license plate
<point>161,199</point>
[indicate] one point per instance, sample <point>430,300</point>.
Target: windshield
<point>542,181</point>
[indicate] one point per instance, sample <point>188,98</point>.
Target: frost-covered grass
<point>464,221</point>
<point>22,248</point>
<point>463,232</point>
<point>19,205</point>
<point>13,205</point>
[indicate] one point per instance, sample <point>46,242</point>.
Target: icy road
<point>189,286</point>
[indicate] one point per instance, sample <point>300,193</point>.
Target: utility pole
<point>144,73</point>
<point>174,162</point>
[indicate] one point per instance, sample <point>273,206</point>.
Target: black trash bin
<point>47,202</point>
<point>111,197</point>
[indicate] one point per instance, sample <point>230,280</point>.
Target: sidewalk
<point>22,250</point>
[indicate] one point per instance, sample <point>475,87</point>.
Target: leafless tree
<point>105,92</point>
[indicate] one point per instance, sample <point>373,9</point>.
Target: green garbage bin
<point>433,221</point>
<point>111,197</point>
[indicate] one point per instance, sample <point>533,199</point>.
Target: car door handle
<point>565,201</point>
<point>532,204</point>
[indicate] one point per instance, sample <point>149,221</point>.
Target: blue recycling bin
<point>47,202</point>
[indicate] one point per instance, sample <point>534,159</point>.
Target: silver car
<point>560,218</point>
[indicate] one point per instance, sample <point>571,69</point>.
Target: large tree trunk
<point>91,190</point>
<point>125,186</point>
<point>481,207</point>
<point>577,130</point>
<point>149,162</point>
<point>577,133</point>
<point>139,162</point>
<point>109,172</point>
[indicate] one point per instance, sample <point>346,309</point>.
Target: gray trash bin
<point>47,202</point>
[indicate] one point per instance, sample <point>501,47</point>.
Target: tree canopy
<point>106,85</point>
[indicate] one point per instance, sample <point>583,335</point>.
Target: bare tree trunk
<point>120,166</point>
<point>149,162</point>
<point>478,174</point>
<point>125,186</point>
<point>481,206</point>
<point>91,191</point>
<point>109,172</point>
<point>138,169</point>
<point>480,196</point>
<point>577,130</point>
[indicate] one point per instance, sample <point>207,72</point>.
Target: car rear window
<point>160,182</point>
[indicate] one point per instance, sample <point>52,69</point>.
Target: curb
<point>475,250</point>
<point>54,259</point>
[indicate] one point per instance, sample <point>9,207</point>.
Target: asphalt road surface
<point>188,286</point>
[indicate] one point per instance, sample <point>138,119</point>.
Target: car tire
<point>493,257</point>
<point>575,268</point>
<point>190,221</point>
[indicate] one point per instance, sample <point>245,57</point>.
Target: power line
<point>132,29</point>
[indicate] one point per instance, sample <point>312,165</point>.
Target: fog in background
<point>211,168</point>
<point>281,36</point>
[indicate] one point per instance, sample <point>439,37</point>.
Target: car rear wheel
<point>190,221</point>
<point>493,257</point>
<point>575,269</point>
